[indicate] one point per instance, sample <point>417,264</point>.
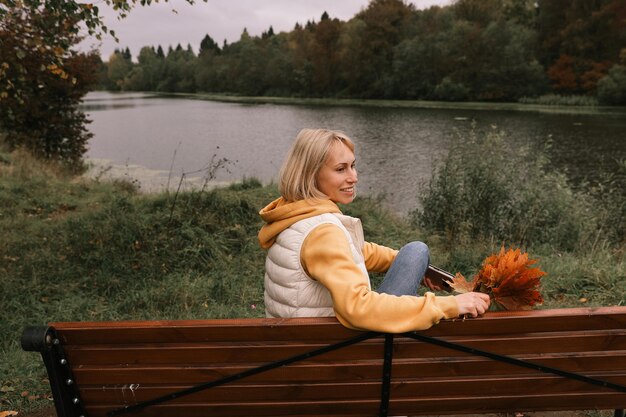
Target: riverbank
<point>75,248</point>
<point>407,104</point>
<point>148,180</point>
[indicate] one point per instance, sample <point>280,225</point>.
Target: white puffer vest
<point>289,291</point>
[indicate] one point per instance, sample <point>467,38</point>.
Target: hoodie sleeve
<point>378,258</point>
<point>327,258</point>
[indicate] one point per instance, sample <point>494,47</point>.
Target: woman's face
<point>337,178</point>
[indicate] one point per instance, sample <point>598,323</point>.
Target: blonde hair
<point>297,179</point>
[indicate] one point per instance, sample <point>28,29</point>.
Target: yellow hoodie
<point>326,257</point>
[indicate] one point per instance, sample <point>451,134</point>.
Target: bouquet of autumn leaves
<point>508,277</point>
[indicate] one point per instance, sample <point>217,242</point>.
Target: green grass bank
<point>82,249</point>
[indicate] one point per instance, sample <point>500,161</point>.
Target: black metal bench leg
<point>619,413</point>
<point>43,339</point>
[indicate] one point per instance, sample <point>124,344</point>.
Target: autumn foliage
<point>42,82</point>
<point>509,277</point>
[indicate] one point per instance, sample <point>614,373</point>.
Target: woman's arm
<point>378,258</point>
<point>327,258</point>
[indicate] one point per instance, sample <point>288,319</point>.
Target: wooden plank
<point>492,323</point>
<point>187,353</point>
<point>202,330</point>
<point>355,408</point>
<point>475,365</point>
<point>481,404</point>
<point>208,354</point>
<point>346,371</point>
<point>524,386</point>
<point>473,404</point>
<point>520,343</point>
<point>124,395</point>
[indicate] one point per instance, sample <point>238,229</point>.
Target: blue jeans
<point>407,271</point>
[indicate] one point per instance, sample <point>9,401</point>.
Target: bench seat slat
<point>204,353</point>
<point>317,409</point>
<point>364,408</point>
<point>537,385</point>
<point>345,371</point>
<point>479,404</point>
<point>229,330</point>
<point>164,331</point>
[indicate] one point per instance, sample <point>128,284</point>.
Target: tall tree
<point>41,83</point>
<point>581,40</point>
<point>146,74</point>
<point>508,69</point>
<point>480,12</point>
<point>371,45</point>
<point>324,56</point>
<point>39,68</point>
<point>119,67</point>
<point>420,62</point>
<point>208,45</point>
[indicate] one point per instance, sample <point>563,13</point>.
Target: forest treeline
<point>487,50</point>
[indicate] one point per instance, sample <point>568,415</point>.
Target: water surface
<point>155,139</point>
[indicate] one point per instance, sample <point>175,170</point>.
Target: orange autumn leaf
<point>511,280</point>
<point>461,285</point>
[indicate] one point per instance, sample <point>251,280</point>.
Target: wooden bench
<point>316,367</point>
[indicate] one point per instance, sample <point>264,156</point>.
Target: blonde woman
<point>318,261</point>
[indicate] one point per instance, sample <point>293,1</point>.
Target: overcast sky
<point>177,21</point>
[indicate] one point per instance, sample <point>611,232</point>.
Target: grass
<point>78,249</point>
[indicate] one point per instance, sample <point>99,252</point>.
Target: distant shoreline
<point>408,104</point>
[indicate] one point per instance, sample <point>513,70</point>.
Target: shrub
<point>612,87</point>
<point>451,91</point>
<point>492,190</point>
<point>609,200</point>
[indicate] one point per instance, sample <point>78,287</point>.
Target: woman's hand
<point>472,303</point>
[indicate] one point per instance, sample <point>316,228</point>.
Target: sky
<point>177,21</point>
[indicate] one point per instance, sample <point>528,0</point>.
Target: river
<point>154,140</point>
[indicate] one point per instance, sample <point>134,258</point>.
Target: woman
<point>318,261</point>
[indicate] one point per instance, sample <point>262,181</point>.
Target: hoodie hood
<point>281,214</point>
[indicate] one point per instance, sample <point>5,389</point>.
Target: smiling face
<point>337,178</point>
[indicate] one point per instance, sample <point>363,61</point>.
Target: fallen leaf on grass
<point>8,413</point>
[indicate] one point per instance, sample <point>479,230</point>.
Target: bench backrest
<point>117,364</point>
